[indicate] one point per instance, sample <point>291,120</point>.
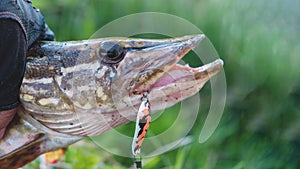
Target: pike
<point>76,89</point>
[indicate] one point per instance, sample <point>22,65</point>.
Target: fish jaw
<point>155,70</point>
<point>181,82</point>
<point>150,63</point>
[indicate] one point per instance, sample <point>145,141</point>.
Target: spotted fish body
<point>77,89</point>
<point>75,80</point>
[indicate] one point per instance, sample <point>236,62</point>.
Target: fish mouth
<point>181,82</point>
<point>159,71</point>
<point>184,73</point>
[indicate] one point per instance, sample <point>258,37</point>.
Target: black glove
<point>20,26</point>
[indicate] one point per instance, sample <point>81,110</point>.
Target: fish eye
<point>111,53</point>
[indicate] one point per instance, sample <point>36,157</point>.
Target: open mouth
<point>181,82</point>
<point>184,73</point>
<point>164,72</point>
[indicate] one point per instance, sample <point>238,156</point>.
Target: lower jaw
<point>166,96</point>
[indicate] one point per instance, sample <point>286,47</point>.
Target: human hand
<point>5,118</point>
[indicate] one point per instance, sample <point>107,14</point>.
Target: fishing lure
<point>51,158</point>
<point>142,124</point>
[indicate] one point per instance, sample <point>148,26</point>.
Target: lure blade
<point>54,156</point>
<point>142,124</point>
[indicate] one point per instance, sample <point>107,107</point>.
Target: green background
<point>259,43</point>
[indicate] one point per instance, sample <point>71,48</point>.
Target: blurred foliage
<point>259,43</point>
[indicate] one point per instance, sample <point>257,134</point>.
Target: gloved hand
<point>20,26</point>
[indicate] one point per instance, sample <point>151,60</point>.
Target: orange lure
<point>142,124</point>
<point>54,156</point>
